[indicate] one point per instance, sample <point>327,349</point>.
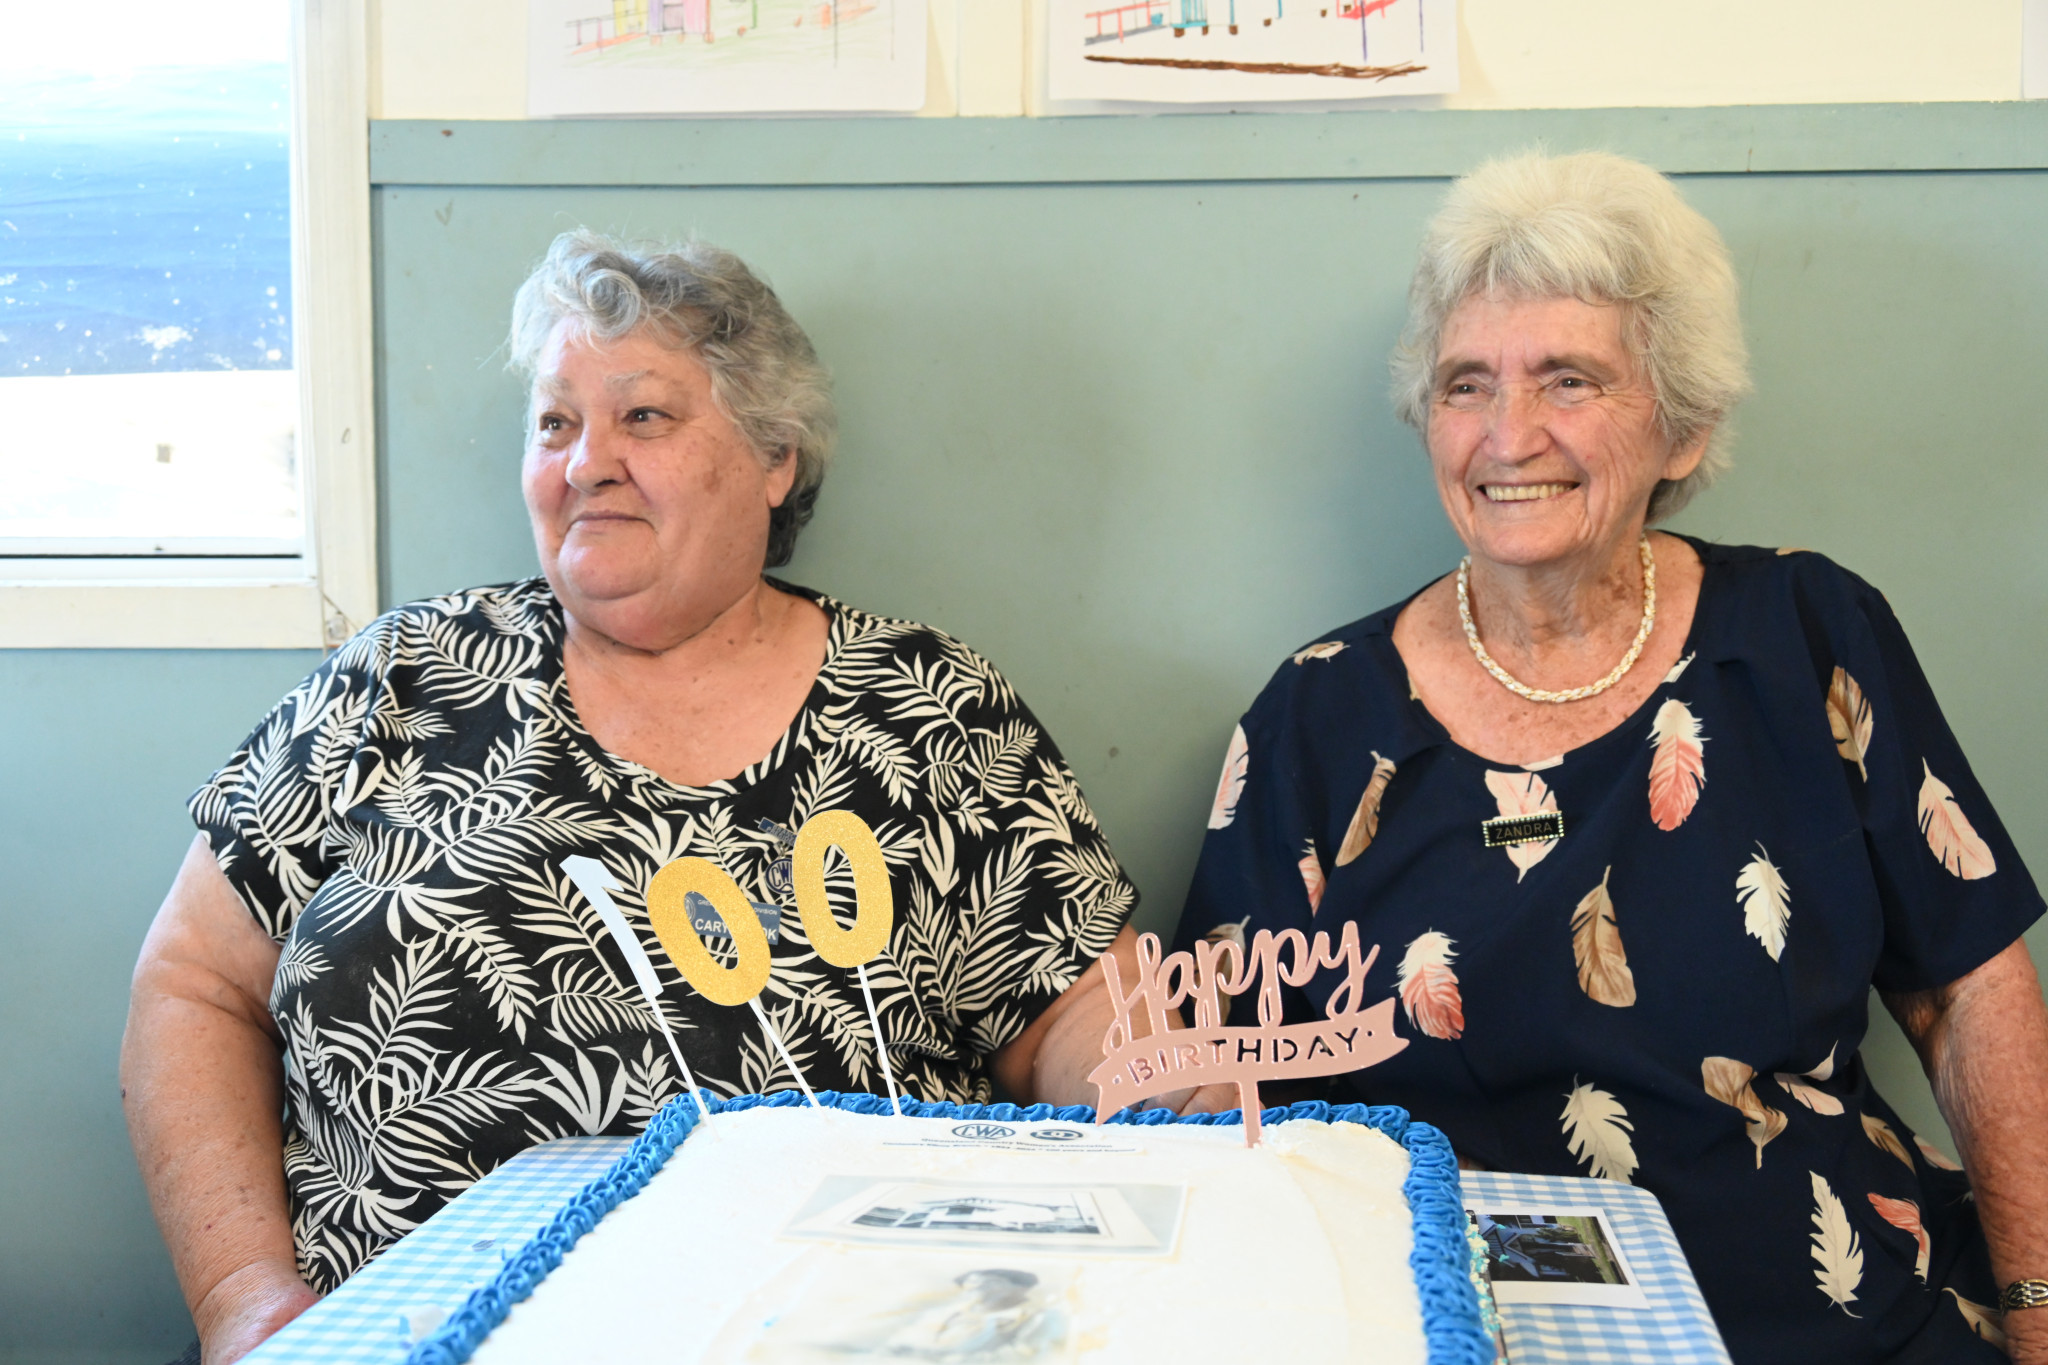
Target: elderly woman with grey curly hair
<point>372,982</point>
<point>1639,820</point>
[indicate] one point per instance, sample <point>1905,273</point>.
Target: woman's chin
<point>600,586</point>
<point>1526,547</point>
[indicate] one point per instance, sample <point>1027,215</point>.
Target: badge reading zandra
<point>1135,1068</point>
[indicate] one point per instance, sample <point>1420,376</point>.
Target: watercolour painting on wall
<point>1250,51</point>
<point>599,57</point>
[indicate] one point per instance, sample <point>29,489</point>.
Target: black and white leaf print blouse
<point>447,997</point>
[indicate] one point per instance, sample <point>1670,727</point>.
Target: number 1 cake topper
<point>595,882</point>
<point>1134,1068</point>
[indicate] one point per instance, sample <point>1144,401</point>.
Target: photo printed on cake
<point>1058,1219</point>
<point>882,1307</point>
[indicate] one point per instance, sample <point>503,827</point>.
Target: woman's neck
<point>1556,609</point>
<point>1504,728</point>
<point>643,638</point>
<point>704,707</point>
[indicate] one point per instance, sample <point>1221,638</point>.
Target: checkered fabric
<point>380,1311</point>
<point>375,1317</point>
<point>1676,1329</point>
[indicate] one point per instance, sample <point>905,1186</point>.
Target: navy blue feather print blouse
<point>1673,992</point>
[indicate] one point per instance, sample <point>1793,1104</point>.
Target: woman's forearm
<point>1051,1060</point>
<point>1984,1042</point>
<point>202,1083</point>
<point>203,1089</point>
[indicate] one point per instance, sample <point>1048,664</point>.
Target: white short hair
<point>1603,229</point>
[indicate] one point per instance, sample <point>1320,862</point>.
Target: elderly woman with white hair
<point>1639,820</point>
<point>372,982</point>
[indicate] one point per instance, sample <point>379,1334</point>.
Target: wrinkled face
<point>644,496</point>
<point>1542,433</point>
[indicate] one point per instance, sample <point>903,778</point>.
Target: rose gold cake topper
<point>1135,1068</point>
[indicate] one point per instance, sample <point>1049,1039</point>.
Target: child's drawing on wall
<point>724,56</point>
<point>1251,51</point>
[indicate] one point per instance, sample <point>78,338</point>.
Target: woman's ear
<point>1684,459</point>
<point>782,476</point>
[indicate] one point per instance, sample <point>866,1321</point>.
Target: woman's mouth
<point>1524,492</point>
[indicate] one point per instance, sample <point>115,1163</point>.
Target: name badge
<point>1503,830</point>
<point>705,919</point>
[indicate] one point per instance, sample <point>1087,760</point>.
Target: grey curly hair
<point>765,375</point>
<point>1603,229</point>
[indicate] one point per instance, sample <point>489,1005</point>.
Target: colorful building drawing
<point>656,20</point>
<point>1149,18</point>
<point>1114,23</point>
<point>1111,24</point>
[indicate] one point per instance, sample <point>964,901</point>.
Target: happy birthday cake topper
<point>1136,1068</point>
<point>682,880</point>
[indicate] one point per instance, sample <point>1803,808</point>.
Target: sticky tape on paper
<point>667,910</point>
<point>874,906</point>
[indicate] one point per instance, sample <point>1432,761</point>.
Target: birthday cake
<point>768,1230</point>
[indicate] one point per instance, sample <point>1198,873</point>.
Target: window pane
<point>145,287</point>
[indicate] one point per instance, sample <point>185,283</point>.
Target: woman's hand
<point>242,1311</point>
<point>1203,1099</point>
<point>1049,1061</point>
<point>202,1081</point>
<point>1982,1039</point>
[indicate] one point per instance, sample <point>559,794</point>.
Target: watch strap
<point>2024,1294</point>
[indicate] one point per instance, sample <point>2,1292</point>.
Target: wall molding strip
<point>1368,145</point>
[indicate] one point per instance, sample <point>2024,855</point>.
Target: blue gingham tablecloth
<point>1676,1328</point>
<point>375,1317</point>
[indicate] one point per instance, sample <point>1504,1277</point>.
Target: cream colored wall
<point>466,59</point>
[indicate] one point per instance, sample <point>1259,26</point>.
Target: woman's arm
<point>1983,1040</point>
<point>1050,1060</point>
<point>203,1086</point>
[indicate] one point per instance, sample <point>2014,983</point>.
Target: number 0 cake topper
<point>1134,1068</point>
<point>669,915</point>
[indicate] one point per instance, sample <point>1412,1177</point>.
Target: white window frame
<point>323,597</point>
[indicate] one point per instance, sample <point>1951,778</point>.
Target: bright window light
<point>146,284</point>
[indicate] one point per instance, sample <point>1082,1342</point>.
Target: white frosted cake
<point>782,1233</point>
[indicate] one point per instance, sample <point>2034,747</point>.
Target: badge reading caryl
<point>708,923</point>
<point>1504,830</point>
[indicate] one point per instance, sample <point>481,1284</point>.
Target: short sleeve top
<point>1673,992</point>
<point>448,998</point>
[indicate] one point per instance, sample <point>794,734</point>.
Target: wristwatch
<point>2024,1294</point>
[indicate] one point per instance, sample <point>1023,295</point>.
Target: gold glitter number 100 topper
<point>874,916</point>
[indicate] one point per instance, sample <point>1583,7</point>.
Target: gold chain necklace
<point>1522,689</point>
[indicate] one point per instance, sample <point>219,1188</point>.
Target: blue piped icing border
<point>1440,1259</point>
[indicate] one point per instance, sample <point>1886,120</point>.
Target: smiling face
<point>1543,433</point>
<point>649,508</point>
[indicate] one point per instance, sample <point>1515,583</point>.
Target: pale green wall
<point>1114,413</point>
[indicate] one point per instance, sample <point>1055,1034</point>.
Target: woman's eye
<point>1464,394</point>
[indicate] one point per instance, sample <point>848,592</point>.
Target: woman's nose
<point>1516,425</point>
<point>595,459</point>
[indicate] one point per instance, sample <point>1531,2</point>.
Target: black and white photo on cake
<point>917,1308</point>
<point>1115,1219</point>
